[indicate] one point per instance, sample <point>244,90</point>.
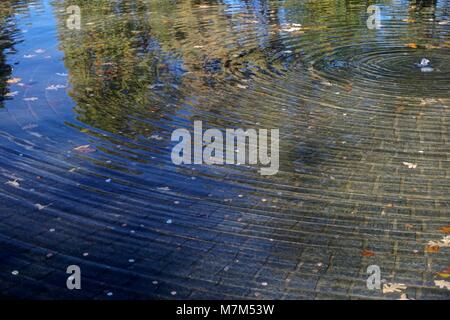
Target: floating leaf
<point>84,149</point>
<point>442,284</point>
<point>367,253</point>
<point>12,94</point>
<point>13,80</point>
<point>42,207</point>
<point>432,249</point>
<point>445,273</point>
<point>13,183</point>
<point>410,165</point>
<point>445,229</point>
<point>393,287</point>
<point>411,45</point>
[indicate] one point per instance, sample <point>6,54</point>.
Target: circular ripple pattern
<point>88,178</point>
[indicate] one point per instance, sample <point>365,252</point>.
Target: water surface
<point>351,106</point>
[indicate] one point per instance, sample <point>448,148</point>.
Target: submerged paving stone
<point>87,179</point>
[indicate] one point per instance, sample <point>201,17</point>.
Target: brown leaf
<point>432,249</point>
<point>445,230</point>
<point>367,253</point>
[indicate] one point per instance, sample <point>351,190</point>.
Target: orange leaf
<point>445,229</point>
<point>367,253</point>
<point>432,249</point>
<point>411,45</point>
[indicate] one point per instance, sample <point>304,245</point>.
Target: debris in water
<point>55,87</point>
<point>13,80</point>
<point>13,183</point>
<point>84,149</point>
<point>393,287</point>
<point>425,65</point>
<point>410,165</point>
<point>42,207</point>
<point>442,284</point>
<point>12,94</point>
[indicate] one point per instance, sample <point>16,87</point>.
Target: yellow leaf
<point>411,45</point>
<point>13,80</point>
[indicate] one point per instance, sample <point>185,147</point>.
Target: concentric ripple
<point>87,179</point>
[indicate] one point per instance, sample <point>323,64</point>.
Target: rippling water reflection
<point>351,106</point>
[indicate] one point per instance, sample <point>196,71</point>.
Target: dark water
<point>351,106</point>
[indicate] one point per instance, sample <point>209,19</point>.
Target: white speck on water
<point>108,180</point>
<point>264,200</point>
<point>131,260</point>
<point>15,273</point>
<point>155,282</point>
<point>264,284</point>
<point>85,254</point>
<point>173,293</point>
<point>241,196</point>
<point>176,202</point>
<point>52,230</point>
<point>169,221</point>
<point>163,188</point>
<point>110,294</point>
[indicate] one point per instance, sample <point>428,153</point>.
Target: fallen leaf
<point>445,229</point>
<point>12,94</point>
<point>393,287</point>
<point>404,297</point>
<point>432,249</point>
<point>409,226</point>
<point>409,20</point>
<point>13,80</point>
<point>442,284</point>
<point>410,165</point>
<point>84,149</point>
<point>42,207</point>
<point>445,273</point>
<point>411,45</point>
<point>367,253</point>
<point>13,183</point>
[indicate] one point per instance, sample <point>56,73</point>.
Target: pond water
<point>86,176</point>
